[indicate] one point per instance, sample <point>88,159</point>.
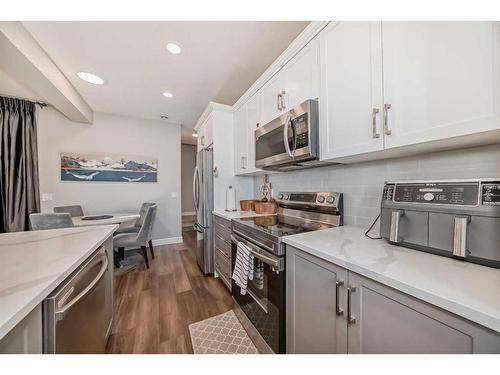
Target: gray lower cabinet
<point>315,322</point>
<point>389,321</point>
<point>364,316</point>
<point>222,246</point>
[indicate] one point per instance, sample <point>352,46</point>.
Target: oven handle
<point>238,234</point>
<point>275,262</point>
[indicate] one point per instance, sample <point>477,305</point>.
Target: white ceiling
<point>219,61</point>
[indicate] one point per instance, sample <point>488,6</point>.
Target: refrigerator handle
<point>195,188</point>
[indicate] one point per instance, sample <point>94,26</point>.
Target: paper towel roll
<point>230,199</point>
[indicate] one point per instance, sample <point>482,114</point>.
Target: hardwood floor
<point>154,307</point>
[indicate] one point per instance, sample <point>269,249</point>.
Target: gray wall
<point>188,162</point>
<point>113,134</point>
<point>362,183</point>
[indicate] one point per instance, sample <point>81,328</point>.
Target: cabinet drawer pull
<point>387,130</point>
<point>350,319</point>
<point>376,134</point>
<point>338,310</point>
<point>278,103</point>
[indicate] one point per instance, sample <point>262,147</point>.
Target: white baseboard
<point>167,241</point>
<point>189,213</point>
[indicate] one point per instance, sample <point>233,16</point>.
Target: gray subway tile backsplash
<point>362,183</point>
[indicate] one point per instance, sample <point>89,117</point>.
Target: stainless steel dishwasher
<point>74,315</point>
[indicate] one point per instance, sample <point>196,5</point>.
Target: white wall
<point>362,183</point>
<point>113,134</point>
<point>188,162</point>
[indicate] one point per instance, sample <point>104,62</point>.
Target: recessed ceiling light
<point>173,48</point>
<point>195,135</point>
<point>167,94</point>
<point>90,78</point>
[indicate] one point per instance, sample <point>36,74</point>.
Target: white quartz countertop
<point>228,215</point>
<point>35,263</point>
<point>468,290</point>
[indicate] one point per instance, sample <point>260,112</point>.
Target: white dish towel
<point>243,268</point>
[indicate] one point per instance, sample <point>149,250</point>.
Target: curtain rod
<point>41,104</point>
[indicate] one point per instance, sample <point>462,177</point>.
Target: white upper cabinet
<point>393,84</point>
<point>253,122</point>
<point>272,97</point>
<point>351,89</point>
<point>208,126</point>
<point>296,82</point>
<point>246,120</point>
<point>441,80</point>
<point>240,140</point>
<point>302,74</point>
<point>205,133</point>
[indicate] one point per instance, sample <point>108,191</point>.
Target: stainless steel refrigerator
<point>203,194</point>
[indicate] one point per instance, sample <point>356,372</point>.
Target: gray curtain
<point>19,190</point>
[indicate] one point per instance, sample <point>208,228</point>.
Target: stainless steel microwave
<point>291,141</point>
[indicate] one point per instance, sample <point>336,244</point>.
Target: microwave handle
<point>288,124</point>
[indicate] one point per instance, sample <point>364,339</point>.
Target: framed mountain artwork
<point>103,167</point>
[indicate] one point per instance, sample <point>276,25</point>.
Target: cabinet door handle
<point>394,229</point>
<point>282,95</point>
<point>338,310</point>
<point>350,319</point>
<point>278,104</point>
<point>243,162</point>
<point>387,130</point>
<point>460,236</point>
<point>203,140</point>
<point>376,134</point>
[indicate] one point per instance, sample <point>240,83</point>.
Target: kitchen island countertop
<point>34,263</point>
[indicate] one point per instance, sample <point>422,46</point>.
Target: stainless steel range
<point>264,302</point>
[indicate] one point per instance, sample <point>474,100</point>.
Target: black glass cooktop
<point>281,225</point>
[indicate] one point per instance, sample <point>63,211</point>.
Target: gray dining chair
<point>138,224</point>
<point>50,221</point>
<point>72,210</point>
<point>140,239</point>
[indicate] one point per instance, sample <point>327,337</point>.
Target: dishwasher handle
<point>61,312</point>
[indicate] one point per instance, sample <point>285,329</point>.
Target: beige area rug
<point>221,334</point>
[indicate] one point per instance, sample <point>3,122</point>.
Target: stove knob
<point>321,199</point>
<point>286,197</point>
<point>281,196</point>
<point>428,197</point>
<point>330,199</point>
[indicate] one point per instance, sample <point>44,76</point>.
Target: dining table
<point>104,219</point>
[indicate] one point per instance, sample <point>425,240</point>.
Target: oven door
<point>264,301</point>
